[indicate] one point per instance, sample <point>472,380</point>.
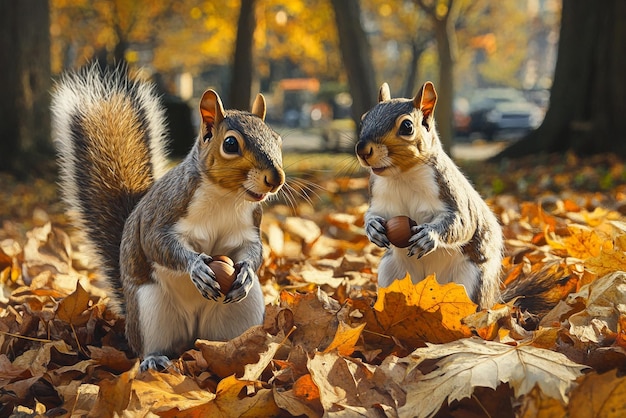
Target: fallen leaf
<point>470,362</point>
<point>72,309</point>
<point>426,311</point>
<point>604,304</point>
<point>230,401</point>
<point>537,405</point>
<point>225,358</point>
<point>345,381</point>
<point>585,242</point>
<point>345,339</point>
<point>157,393</point>
<point>599,395</point>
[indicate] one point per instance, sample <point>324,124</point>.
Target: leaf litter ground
<point>332,344</point>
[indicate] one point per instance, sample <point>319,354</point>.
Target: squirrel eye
<point>231,145</point>
<point>406,128</point>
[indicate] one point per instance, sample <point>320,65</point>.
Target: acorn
<point>399,230</point>
<point>225,272</point>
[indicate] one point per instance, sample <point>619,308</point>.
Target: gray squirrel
<point>153,232</point>
<point>457,236</point>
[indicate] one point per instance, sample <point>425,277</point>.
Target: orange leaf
<point>302,399</point>
<point>426,311</point>
<point>345,339</point>
<point>305,388</point>
<point>72,308</point>
<point>231,400</point>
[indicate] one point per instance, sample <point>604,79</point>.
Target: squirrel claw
<point>242,284</point>
<point>423,242</point>
<point>204,278</point>
<point>376,232</point>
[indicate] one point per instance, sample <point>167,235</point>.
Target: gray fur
<point>457,235</point>
<point>153,241</point>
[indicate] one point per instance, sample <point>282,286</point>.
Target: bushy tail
<point>110,135</point>
<point>540,290</point>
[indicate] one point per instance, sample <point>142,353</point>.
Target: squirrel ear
<point>258,107</point>
<point>212,112</point>
<point>425,99</point>
<point>383,93</point>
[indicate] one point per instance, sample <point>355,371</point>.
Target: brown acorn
<point>225,272</point>
<point>399,230</point>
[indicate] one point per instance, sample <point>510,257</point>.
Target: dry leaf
<point>426,311</point>
<point>72,308</point>
<point>605,302</point>
<point>345,339</point>
<point>344,381</point>
<point>230,357</point>
<point>599,395</point>
<point>585,242</point>
<point>231,401</point>
<point>114,394</point>
<point>538,405</point>
<point>302,399</point>
<point>160,393</point>
<point>470,362</point>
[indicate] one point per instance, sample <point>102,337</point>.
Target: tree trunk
<point>25,86</point>
<point>410,86</point>
<point>588,96</point>
<point>242,72</point>
<point>444,34</point>
<point>357,56</point>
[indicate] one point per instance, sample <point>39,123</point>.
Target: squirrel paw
<point>242,284</point>
<point>423,241</point>
<point>376,232</point>
<point>204,278</point>
<point>155,361</point>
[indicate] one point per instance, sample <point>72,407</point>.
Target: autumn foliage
<point>332,344</point>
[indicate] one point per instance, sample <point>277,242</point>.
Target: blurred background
<point>297,63</point>
<point>319,63</point>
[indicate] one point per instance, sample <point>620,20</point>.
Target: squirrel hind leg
<point>155,361</point>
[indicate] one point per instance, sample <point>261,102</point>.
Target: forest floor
<point>332,343</point>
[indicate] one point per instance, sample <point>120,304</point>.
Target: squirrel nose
<point>274,179</point>
<point>364,150</point>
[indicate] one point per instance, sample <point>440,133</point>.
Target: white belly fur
<point>172,312</point>
<point>175,314</point>
<point>402,195</point>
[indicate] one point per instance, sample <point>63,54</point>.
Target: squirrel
<point>457,236</point>
<point>153,232</point>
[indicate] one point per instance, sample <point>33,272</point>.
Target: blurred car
<point>462,120</point>
<point>502,112</point>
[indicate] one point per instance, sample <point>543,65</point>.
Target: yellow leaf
<point>229,402</point>
<point>161,392</point>
<point>426,311</point>
<point>345,339</point>
<point>584,242</point>
<point>606,262</point>
<point>553,240</point>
